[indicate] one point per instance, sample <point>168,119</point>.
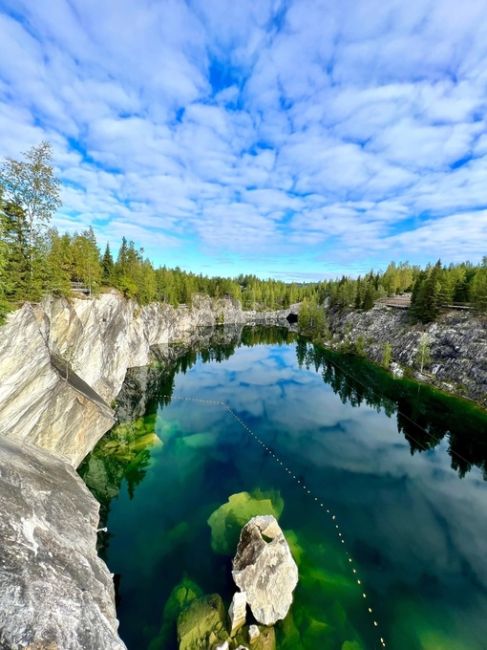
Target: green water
<point>401,467</point>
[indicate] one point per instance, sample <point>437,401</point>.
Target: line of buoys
<point>306,489</point>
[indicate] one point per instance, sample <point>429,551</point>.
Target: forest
<point>36,260</point>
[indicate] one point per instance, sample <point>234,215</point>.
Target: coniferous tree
<point>3,262</point>
<point>426,297</point>
<point>107,266</point>
<point>86,260</point>
<point>34,261</point>
<point>479,288</point>
<point>59,263</point>
<point>369,296</point>
<point>19,281</point>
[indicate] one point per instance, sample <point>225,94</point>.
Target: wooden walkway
<point>80,288</point>
<point>404,302</point>
<point>397,302</point>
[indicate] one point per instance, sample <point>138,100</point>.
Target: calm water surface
<point>400,467</point>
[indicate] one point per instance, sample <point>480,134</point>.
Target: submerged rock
<point>254,633</point>
<point>264,640</point>
<point>264,568</point>
<point>227,521</point>
<point>237,611</point>
<point>202,624</point>
<point>181,596</point>
<point>223,646</point>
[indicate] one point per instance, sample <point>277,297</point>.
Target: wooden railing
<point>398,302</point>
<point>80,287</point>
<point>404,302</point>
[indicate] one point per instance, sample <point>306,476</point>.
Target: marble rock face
<point>63,362</point>
<point>265,570</point>
<point>55,592</point>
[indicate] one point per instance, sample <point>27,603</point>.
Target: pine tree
<point>426,298</point>
<point>19,283</point>
<point>59,264</point>
<point>369,296</point>
<point>478,290</point>
<point>3,261</point>
<point>107,266</point>
<point>86,260</point>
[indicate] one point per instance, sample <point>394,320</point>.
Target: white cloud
<point>268,129</point>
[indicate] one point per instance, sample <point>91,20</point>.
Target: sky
<point>298,139</point>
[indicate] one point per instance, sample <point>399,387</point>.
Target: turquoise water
<point>400,467</point>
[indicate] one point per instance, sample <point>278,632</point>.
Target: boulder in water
<point>237,612</point>
<point>226,522</point>
<point>264,568</point>
<point>202,624</point>
<point>254,633</point>
<point>265,640</point>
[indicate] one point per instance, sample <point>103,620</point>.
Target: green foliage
<point>107,266</point>
<point>369,297</point>
<point>437,287</point>
<point>360,346</point>
<point>29,197</point>
<point>361,293</point>
<point>387,355</point>
<point>423,355</point>
<point>59,264</point>
<point>478,292</point>
<point>86,260</point>
<point>31,185</point>
<point>312,319</point>
<point>426,296</point>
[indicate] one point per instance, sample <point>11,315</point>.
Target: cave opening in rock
<point>292,318</point>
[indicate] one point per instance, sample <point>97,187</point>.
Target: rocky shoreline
<point>457,346</point>
<point>62,364</point>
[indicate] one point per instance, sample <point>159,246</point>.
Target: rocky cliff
<point>457,342</point>
<point>61,366</point>
<point>55,592</point>
<point>63,363</point>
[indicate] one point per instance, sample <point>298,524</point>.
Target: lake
<point>379,485</point>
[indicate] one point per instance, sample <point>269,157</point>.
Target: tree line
<point>36,260</point>
<point>431,288</point>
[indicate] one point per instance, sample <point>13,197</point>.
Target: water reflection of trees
<point>424,416</point>
<point>124,453</point>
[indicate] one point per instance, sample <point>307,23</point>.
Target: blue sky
<point>298,139</point>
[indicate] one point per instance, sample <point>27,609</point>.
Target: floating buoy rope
<point>316,499</point>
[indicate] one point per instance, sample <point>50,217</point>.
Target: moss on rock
<point>227,521</point>
<point>201,625</point>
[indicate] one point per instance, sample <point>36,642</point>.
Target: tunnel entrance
<point>292,318</point>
